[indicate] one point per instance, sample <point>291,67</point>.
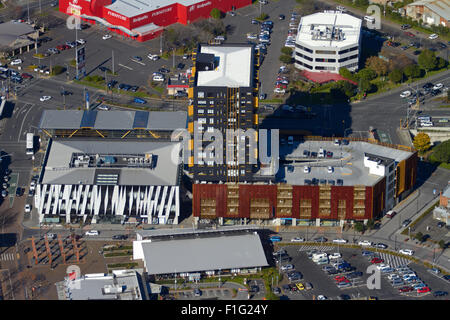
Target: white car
<point>306,169</point>
<point>279,90</point>
<point>408,252</point>
<point>45,98</point>
<point>289,44</point>
<point>438,86</point>
<point>297,239</point>
<point>382,266</point>
<point>158,78</point>
<point>153,57</point>
<point>287,267</point>
<point>330,169</point>
<point>426,124</point>
<point>81,41</point>
<point>433,36</point>
<point>92,233</point>
<point>405,94</point>
<point>340,241</point>
<point>335,255</point>
<point>251,36</point>
<point>321,297</point>
<point>28,208</point>
<point>106,37</point>
<point>17,61</point>
<point>365,243</point>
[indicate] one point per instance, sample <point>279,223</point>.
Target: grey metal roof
<point>16,29</point>
<point>204,254</point>
<point>177,232</point>
<point>113,120</point>
<point>58,171</point>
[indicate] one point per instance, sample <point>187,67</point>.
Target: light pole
<point>63,93</point>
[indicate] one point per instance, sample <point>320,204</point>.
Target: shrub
<point>441,153</point>
<point>57,70</point>
<point>216,14</point>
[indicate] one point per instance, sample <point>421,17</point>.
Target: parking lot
<point>325,284</point>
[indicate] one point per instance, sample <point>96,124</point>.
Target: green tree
<point>287,51</point>
<point>442,244</point>
<point>442,63</point>
<point>419,236</point>
<point>412,71</point>
<point>344,72</point>
<point>422,142</point>
<point>366,74</point>
<point>370,224</point>
<point>396,75</point>
<point>286,59</point>
<point>57,70</point>
<point>359,226</point>
<point>365,85</point>
<point>441,153</point>
<point>216,14</point>
<point>427,60</point>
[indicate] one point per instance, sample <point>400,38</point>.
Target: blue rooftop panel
<point>88,120</point>
<point>140,119</point>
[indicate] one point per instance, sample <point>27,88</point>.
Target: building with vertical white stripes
<point>109,181</point>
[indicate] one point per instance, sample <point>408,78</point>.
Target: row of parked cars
<point>292,32</point>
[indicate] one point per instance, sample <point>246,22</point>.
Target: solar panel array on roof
<point>113,120</point>
<point>88,120</point>
<point>140,119</point>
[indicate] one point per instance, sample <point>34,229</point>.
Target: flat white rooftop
<point>313,29</point>
<point>132,8</point>
<point>234,68</point>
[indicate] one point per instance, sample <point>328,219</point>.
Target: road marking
<point>7,257</point>
<point>125,66</point>
<point>138,62</point>
<point>23,121</point>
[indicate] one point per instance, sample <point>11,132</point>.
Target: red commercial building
<point>145,19</point>
<point>357,182</point>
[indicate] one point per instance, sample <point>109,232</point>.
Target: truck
<point>30,144</point>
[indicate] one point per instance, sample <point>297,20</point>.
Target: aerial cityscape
<point>230,150</point>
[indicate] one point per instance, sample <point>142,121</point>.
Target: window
<point>200,111</point>
<point>210,111</point>
<point>201,94</point>
<point>303,48</point>
<point>325,52</point>
<point>304,56</point>
<point>348,50</point>
<point>325,60</point>
<point>304,64</point>
<point>324,68</point>
<point>211,121</point>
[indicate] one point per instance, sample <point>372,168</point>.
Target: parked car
<point>92,233</point>
<point>380,245</point>
<point>119,237</point>
<point>321,239</point>
<point>408,252</point>
<point>433,36</point>
<point>27,208</point>
<point>16,62</point>
<point>287,267</point>
<point>297,239</point>
<point>405,94</point>
<point>340,241</point>
<point>440,293</point>
<point>365,243</point>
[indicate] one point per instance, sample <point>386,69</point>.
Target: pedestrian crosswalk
<point>394,261</point>
<point>317,247</point>
<point>7,257</point>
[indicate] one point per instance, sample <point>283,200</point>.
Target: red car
<point>423,290</point>
<point>339,278</point>
<point>409,34</point>
<point>405,289</point>
<point>65,46</point>
<point>60,47</point>
<point>376,260</point>
<point>27,76</point>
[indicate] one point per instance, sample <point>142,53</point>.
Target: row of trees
<point>377,67</point>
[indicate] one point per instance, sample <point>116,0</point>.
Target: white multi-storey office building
<point>327,41</point>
